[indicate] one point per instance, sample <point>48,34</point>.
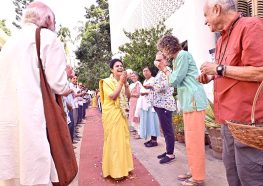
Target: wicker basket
<point>250,134</point>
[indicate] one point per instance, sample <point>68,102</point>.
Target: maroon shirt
<point>233,98</point>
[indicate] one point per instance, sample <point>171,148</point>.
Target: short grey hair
<point>225,4</point>
<point>38,13</point>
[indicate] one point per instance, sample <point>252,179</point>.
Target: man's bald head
<point>39,14</point>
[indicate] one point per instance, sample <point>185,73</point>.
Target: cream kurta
<point>24,148</point>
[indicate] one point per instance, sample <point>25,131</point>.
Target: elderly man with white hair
<point>25,157</point>
<point>237,73</point>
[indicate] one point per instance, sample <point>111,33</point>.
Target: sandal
<point>191,182</point>
<point>185,176</point>
<point>137,136</point>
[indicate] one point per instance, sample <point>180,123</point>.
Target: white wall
<point>188,24</point>
<point>121,12</point>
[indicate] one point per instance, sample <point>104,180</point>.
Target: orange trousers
<point>194,128</point>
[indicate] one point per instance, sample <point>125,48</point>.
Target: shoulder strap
<point>38,46</point>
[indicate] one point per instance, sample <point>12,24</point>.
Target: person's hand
<point>160,66</point>
<point>203,78</point>
<point>148,86</point>
<point>123,78</point>
<point>69,106</point>
<point>208,68</point>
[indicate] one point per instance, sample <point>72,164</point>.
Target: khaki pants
<point>194,127</point>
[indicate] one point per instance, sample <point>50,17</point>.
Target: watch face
<point>220,67</point>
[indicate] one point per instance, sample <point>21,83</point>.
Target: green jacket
<point>191,94</point>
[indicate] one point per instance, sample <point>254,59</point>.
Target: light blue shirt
<point>191,94</point>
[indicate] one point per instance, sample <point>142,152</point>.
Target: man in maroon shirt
<point>237,72</point>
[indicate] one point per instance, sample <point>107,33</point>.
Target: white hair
<point>39,13</point>
<point>225,4</point>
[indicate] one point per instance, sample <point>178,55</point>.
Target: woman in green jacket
<point>193,102</point>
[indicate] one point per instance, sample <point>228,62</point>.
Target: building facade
<point>185,17</point>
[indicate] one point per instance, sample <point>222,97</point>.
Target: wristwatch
<point>220,69</point>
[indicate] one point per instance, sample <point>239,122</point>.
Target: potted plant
<point>213,129</point>
<point>178,125</point>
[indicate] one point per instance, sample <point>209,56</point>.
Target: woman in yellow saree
<point>114,92</point>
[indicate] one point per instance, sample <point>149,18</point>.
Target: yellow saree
<point>117,157</point>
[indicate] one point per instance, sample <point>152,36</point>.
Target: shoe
<point>151,144</point>
<point>161,156</point>
<point>147,142</point>
<point>191,182</point>
<point>166,159</point>
<point>184,177</point>
<point>137,137</point>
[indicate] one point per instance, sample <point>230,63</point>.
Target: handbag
<point>57,129</point>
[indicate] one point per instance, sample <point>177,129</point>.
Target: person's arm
<point>241,73</point>
<point>115,94</point>
<point>244,73</point>
<point>67,93</point>
<point>136,93</point>
<point>54,63</point>
<point>127,91</point>
<point>178,74</point>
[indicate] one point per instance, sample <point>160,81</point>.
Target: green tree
<point>20,5</point>
<point>64,35</point>
<point>141,49</point>
<point>4,27</point>
<point>95,48</point>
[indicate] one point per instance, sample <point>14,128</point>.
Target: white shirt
<point>24,147</point>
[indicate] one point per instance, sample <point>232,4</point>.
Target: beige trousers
<point>194,127</point>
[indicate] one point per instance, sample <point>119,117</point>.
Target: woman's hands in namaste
<point>123,77</point>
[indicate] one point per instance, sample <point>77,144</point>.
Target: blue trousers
<point>84,110</point>
<point>71,125</point>
<point>165,118</point>
<point>80,113</point>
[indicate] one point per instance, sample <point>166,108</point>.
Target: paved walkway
<point>147,171</point>
<point>90,158</point>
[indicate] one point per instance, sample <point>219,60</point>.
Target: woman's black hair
<point>113,61</point>
<point>152,69</point>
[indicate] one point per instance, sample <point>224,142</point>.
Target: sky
<point>68,13</point>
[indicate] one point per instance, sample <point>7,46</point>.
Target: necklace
<point>228,36</point>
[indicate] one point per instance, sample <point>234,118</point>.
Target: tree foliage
<point>64,35</point>
<point>4,27</point>
<point>20,5</point>
<point>141,49</point>
<point>95,48</point>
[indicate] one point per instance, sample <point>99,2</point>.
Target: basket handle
<point>254,103</point>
